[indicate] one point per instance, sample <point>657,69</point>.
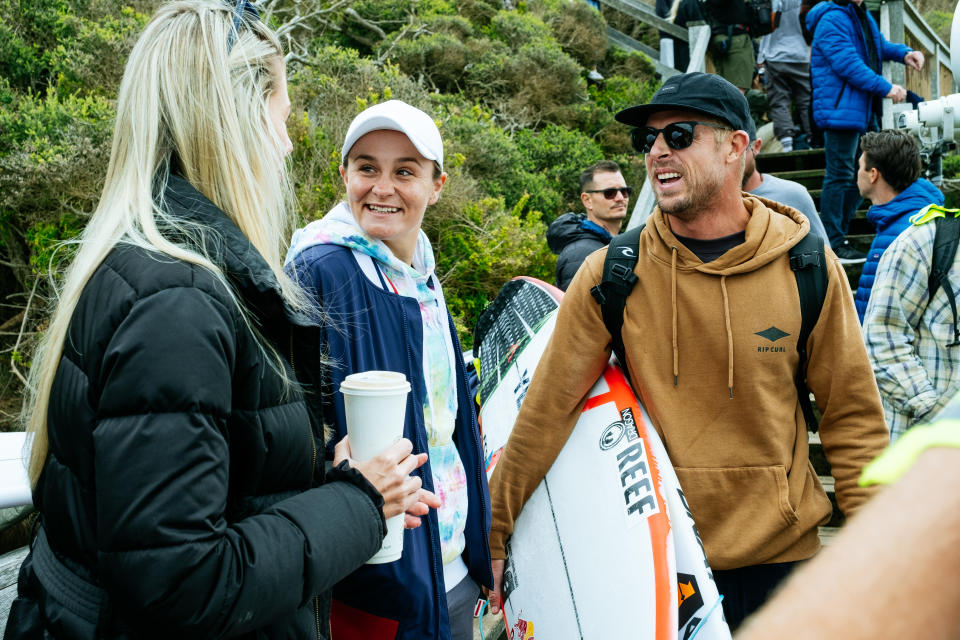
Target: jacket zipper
<point>313,469</point>
<point>836,102</point>
<point>434,533</point>
<point>474,429</point>
<point>316,613</point>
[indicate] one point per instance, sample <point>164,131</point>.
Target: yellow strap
<point>931,212</point>
<point>900,456</point>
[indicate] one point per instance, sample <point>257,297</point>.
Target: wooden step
<point>9,569</point>
<point>776,163</point>
<point>799,175</point>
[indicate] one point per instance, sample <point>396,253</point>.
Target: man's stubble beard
<point>700,194</point>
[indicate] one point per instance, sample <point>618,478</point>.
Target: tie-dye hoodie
<point>419,281</point>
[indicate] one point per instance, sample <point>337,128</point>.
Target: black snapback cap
<point>705,93</point>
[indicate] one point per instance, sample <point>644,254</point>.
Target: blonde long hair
<point>195,92</point>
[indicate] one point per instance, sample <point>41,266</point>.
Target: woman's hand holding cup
<point>389,472</point>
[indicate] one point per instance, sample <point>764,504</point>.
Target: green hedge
<point>506,88</point>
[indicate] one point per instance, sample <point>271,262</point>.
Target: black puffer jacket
<point>183,476</point>
<point>572,241</point>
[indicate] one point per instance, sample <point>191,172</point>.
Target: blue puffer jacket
<point>370,328</point>
<point>843,83</point>
<point>890,220</point>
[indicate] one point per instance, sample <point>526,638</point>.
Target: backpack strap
<point>809,265</point>
<point>807,260</point>
<point>616,284</point>
<point>945,243</point>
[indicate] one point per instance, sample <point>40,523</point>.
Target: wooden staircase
<point>806,167</point>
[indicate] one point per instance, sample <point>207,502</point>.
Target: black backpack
<point>807,260</point>
<point>762,18</point>
<point>945,242</point>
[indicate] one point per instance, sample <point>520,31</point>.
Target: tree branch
<point>23,327</point>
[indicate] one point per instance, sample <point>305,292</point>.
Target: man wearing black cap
<point>710,334</point>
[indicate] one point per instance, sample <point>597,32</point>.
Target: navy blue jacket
<point>843,83</point>
<point>890,219</point>
<point>370,328</point>
<point>573,237</point>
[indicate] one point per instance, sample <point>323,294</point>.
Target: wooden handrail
<point>643,13</point>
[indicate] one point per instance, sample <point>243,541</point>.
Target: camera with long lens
<point>935,124</point>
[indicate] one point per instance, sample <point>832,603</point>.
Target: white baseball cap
<point>396,115</point>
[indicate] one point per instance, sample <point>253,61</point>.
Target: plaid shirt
<point>906,338</point>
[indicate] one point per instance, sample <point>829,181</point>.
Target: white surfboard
<point>511,336</point>
<point>605,547</point>
<point>14,483</point>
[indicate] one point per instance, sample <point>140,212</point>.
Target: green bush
<point>452,25</point>
<point>30,36</point>
<point>941,22</point>
<point>558,155</point>
<point>438,58</point>
<point>43,43</point>
<point>576,26</point>
<point>530,86</point>
<point>483,248</point>
<point>517,29</point>
<point>490,153</point>
<point>506,89</point>
<point>629,64</point>
<point>388,13</point>
<point>478,12</point>
<point>54,156</point>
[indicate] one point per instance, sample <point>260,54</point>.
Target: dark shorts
<point>745,589</point>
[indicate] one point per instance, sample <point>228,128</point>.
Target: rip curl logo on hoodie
<point>772,334</point>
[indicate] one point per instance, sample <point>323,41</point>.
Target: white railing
<point>696,35</point>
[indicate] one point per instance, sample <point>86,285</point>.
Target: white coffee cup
<point>375,404</point>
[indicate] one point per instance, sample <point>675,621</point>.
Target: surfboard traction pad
<point>506,326</point>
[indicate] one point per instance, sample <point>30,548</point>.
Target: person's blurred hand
<point>914,60</point>
<point>495,595</point>
<point>897,93</point>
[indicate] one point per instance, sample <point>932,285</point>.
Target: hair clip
<point>242,6</point>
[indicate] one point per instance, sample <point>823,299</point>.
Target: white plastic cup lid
<point>367,382</point>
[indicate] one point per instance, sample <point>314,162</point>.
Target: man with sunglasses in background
<point>710,342</point>
<point>574,236</point>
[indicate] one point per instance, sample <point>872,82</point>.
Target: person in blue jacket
<point>845,74</point>
<point>889,178</point>
<point>371,271</point>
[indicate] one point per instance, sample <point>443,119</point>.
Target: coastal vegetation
<point>507,85</point>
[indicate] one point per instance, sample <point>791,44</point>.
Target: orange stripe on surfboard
<point>622,396</point>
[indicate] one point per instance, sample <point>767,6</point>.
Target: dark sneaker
<point>849,255</point>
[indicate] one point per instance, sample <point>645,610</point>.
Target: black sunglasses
<point>612,192</point>
<point>677,135</point>
<point>242,7</point>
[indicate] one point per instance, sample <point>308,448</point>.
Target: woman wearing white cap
<point>371,269</point>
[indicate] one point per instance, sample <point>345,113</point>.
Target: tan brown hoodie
<point>712,349</point>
